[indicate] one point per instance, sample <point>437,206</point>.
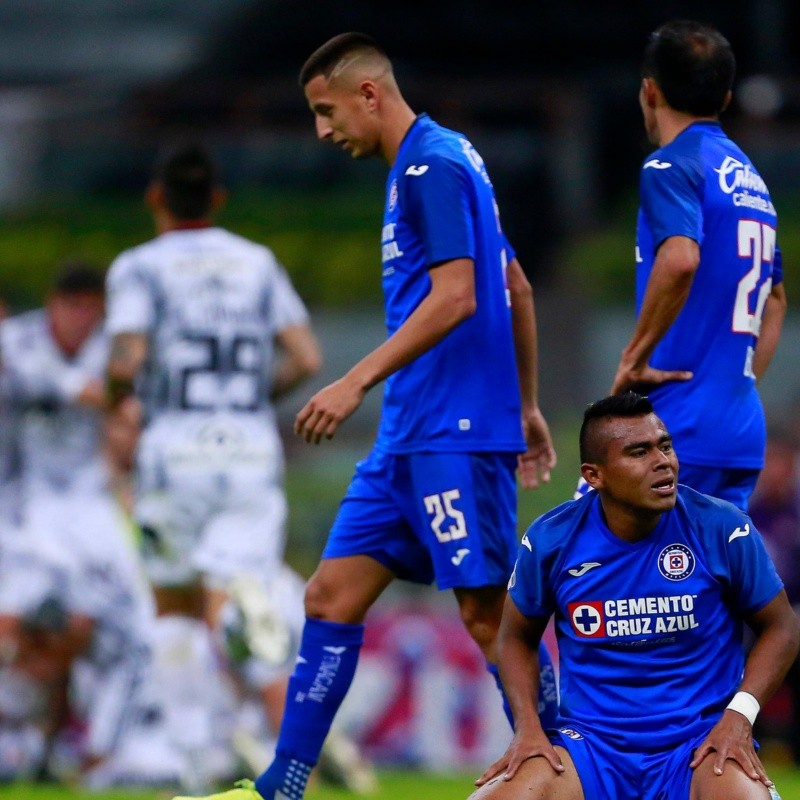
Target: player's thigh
<point>733,784</point>
<point>372,522</point>
<point>536,779</point>
<point>463,509</point>
<point>171,514</point>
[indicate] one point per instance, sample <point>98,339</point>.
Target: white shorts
<point>210,498</point>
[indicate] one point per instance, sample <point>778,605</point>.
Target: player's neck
<point>399,122</point>
<point>166,222</point>
<point>628,524</point>
<point>672,123</point>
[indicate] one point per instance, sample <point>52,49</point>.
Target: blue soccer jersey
<point>463,394</point>
<point>701,185</point>
<point>650,633</point>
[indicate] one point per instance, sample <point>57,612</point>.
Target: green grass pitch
<point>394,785</point>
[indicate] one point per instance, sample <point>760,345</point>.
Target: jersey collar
<point>412,134</point>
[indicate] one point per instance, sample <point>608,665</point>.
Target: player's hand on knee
<point>732,738</point>
<point>521,749</point>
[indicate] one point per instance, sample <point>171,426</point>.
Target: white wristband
<point>746,705</point>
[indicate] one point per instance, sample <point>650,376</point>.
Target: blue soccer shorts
<point>733,485</point>
<point>609,770</point>
<point>444,516</point>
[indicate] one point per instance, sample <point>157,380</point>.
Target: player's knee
<point>329,600</point>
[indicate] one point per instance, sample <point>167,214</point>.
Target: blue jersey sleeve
<point>529,587</point>
<point>740,560</point>
<point>438,206</point>
<point>671,198</point>
<point>511,253</point>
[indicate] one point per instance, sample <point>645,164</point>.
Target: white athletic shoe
<point>341,764</point>
<point>257,626</point>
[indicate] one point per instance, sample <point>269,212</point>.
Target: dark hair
<point>629,404</point>
<point>693,65</point>
<point>188,175</point>
<point>76,276</point>
<point>325,58</point>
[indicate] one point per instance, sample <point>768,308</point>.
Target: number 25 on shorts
<point>440,507</point>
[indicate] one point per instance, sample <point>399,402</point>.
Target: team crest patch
<point>571,734</point>
<point>393,195</point>
<point>587,619</point>
<point>676,562</point>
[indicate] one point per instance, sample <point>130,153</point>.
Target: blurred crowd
<point>775,510</point>
<point>95,687</point>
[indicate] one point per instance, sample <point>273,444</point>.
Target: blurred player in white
<point>208,328</point>
<point>79,615</point>
<point>52,370</point>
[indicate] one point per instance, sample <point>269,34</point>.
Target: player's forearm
<point>518,662</point>
<point>776,647</point>
<point>519,672</point>
<point>523,324</point>
<point>771,326</point>
<point>448,304</point>
<point>301,359</point>
<point>667,290</point>
<point>128,354</point>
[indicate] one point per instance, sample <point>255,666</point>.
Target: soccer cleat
<point>341,764</point>
<point>252,625</point>
<point>244,790</point>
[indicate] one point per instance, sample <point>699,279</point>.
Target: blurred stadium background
<point>91,89</point>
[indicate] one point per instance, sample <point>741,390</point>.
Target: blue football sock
<point>548,690</point>
<point>495,673</point>
<point>322,675</point>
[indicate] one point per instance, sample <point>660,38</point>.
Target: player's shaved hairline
<point>594,439</point>
<point>338,55</point>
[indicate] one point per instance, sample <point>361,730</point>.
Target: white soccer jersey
<point>211,303</point>
<point>210,460</point>
<point>52,438</point>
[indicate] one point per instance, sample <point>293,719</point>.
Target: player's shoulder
<point>710,514</point>
<point>554,528</point>
<point>433,146</point>
<point>134,258</point>
<point>24,329</point>
<point>256,253</point>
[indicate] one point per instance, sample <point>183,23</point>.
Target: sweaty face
<point>640,471</point>
<point>342,115</point>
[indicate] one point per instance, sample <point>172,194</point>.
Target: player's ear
<point>650,92</point>
<point>370,94</point>
<point>593,475</point>
<point>727,101</point>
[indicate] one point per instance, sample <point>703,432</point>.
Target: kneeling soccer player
<point>650,583</point>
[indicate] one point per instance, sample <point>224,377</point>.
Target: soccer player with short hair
<point>208,327</point>
<point>649,583</point>
<point>710,299</point>
<point>436,497</point>
<point>52,368</point>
